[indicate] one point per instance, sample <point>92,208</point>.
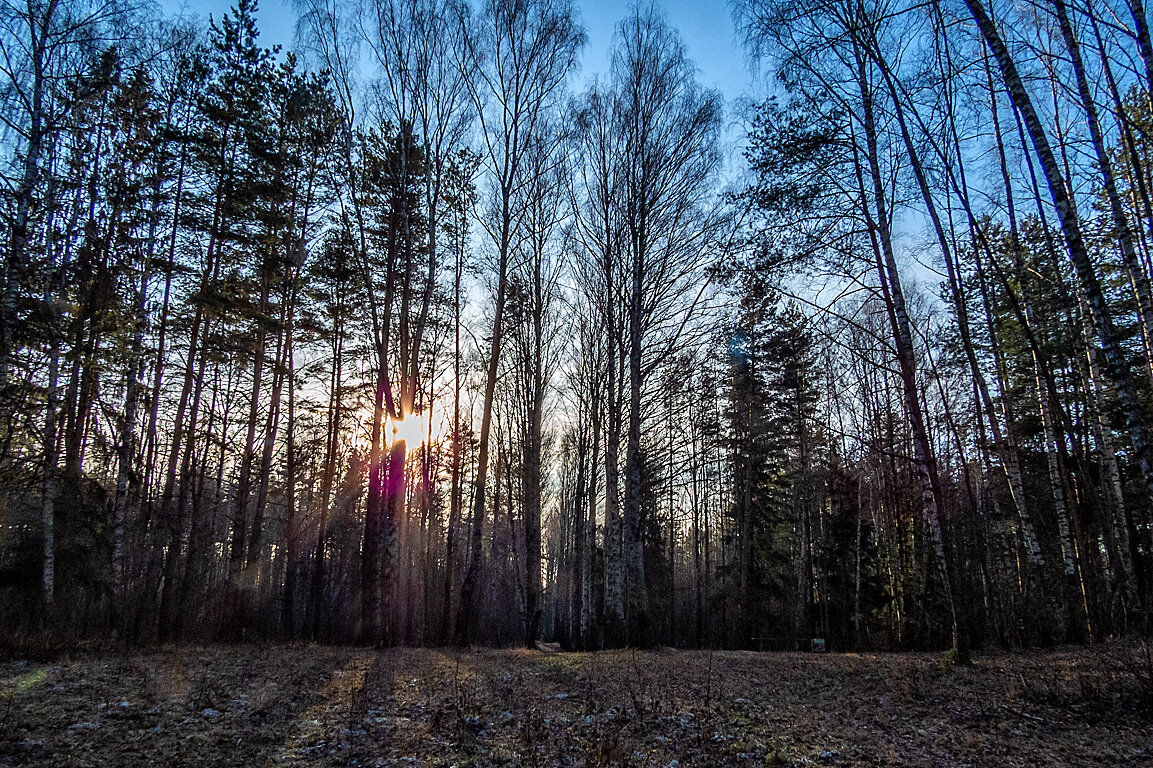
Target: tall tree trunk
<point>327,478</point>
<point>578,557</point>
<point>925,460</point>
<point>271,427</point>
<point>636,590</point>
<point>240,548</point>
<point>126,440</point>
<point>1116,524</point>
<point>48,485</point>
<point>588,610</point>
<point>1116,361</point>
<point>291,522</point>
<point>532,516</point>
<point>457,484</point>
<point>393,506</point>
<point>614,615</point>
<point>176,506</point>
<point>200,534</point>
<point>465,616</point>
<point>374,512</point>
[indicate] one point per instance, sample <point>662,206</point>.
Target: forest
<point>412,335</point>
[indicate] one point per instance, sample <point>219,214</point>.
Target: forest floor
<point>300,705</point>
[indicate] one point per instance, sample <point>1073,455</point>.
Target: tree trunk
<point>636,590</point>
<point>1116,361</point>
<point>614,613</point>
<point>925,461</point>
<point>532,519</point>
<point>48,481</point>
<point>374,512</point>
<point>240,548</point>
<point>271,426</point>
<point>291,531</point>
<point>466,612</point>
<point>327,478</point>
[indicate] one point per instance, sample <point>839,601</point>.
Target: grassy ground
<point>318,706</point>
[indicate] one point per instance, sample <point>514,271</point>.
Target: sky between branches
<point>706,27</point>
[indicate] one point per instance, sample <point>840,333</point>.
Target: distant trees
<point>449,347</point>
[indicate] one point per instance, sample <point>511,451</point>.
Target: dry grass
<point>320,706</point>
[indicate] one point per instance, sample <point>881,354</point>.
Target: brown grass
<point>303,705</point>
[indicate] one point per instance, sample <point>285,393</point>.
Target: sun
<point>412,429</point>
<point>415,429</point>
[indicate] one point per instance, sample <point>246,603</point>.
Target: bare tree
<point>534,331</point>
<point>1116,361</point>
<point>521,53</point>
<point>599,276</point>
<point>670,127</point>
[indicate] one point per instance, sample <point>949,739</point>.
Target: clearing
<point>301,705</point>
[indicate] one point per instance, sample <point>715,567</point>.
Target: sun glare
<point>412,429</point>
<point>415,430</point>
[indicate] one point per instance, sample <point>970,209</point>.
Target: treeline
<point>410,337</point>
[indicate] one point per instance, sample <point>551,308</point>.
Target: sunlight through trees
<point>414,335</point>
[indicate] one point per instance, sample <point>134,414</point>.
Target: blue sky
<point>705,25</point>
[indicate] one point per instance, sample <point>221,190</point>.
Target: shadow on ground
<point>318,706</point>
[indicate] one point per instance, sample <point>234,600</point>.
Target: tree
<point>522,53</point>
<point>670,126</point>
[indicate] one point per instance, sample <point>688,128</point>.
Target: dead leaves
<point>298,706</point>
